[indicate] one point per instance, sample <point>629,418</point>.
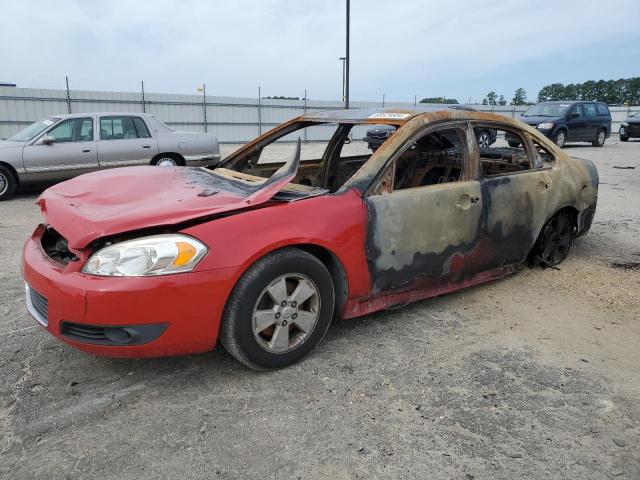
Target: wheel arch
<point>573,214</point>
<point>328,258</point>
<point>168,154</point>
<point>13,171</point>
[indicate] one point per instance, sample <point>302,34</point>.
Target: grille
<point>38,305</point>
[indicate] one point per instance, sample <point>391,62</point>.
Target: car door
<point>515,190</point>
<point>125,140</point>
<point>66,149</point>
<point>592,123</point>
<point>424,213</point>
<point>577,124</point>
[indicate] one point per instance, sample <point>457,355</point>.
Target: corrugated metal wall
<point>232,119</point>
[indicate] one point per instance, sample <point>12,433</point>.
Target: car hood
<point>536,120</point>
<point>4,144</point>
<point>633,120</point>
<point>110,202</point>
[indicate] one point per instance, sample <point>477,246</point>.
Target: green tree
<point>502,100</point>
<point>491,98</point>
<point>439,100</point>
<point>519,97</point>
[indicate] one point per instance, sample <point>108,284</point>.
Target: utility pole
<point>342,59</point>
<point>346,76</point>
<point>204,106</point>
<point>383,97</point>
<point>68,95</point>
<point>415,100</point>
<point>144,108</point>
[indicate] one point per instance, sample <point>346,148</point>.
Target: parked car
<point>566,122</point>
<point>630,128</point>
<point>139,262</point>
<point>63,146</point>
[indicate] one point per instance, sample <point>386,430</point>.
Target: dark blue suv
<point>569,122</point>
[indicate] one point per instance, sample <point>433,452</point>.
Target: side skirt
<point>385,300</point>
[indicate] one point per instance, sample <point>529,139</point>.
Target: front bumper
<point>181,311</point>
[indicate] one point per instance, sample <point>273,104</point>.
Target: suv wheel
<point>560,138</point>
<point>599,141</point>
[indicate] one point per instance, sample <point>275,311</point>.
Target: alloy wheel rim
<point>601,138</point>
<point>484,140</point>
<point>560,140</point>
<point>166,162</point>
<point>4,183</point>
<point>286,313</point>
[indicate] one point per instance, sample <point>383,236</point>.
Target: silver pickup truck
<point>64,146</point>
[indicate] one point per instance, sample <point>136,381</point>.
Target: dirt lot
<point>534,376</point>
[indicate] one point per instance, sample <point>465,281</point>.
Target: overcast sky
<point>452,48</point>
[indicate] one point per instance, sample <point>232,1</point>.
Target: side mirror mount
<point>573,115</point>
<point>48,140</point>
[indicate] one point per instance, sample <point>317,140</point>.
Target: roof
<point>84,114</point>
<point>393,115</point>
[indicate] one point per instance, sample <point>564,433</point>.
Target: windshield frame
<point>562,113</point>
<point>43,123</point>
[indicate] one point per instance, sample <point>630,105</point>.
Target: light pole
<point>346,75</point>
<point>342,59</point>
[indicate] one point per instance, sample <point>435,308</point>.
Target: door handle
<point>146,146</point>
<point>86,151</point>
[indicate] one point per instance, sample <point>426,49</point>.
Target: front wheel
<point>7,183</point>
<point>623,135</point>
<point>279,310</point>
<point>514,144</point>
<point>560,138</point>
<point>600,139</point>
<point>555,241</point>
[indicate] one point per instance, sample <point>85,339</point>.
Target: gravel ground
<point>533,376</point>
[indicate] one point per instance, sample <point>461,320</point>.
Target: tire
<point>514,144</point>
<point>600,139</point>
<point>168,160</point>
<point>624,139</point>
<point>7,183</point>
<point>560,138</point>
<point>278,337</point>
<point>484,139</point>
<point>554,241</point>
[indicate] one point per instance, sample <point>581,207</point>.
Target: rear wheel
<point>279,310</point>
<point>7,183</point>
<point>167,160</point>
<point>560,138</point>
<point>600,139</point>
<point>514,144</point>
<point>484,139</point>
<point>555,241</point>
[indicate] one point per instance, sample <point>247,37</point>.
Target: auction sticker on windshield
<point>395,116</point>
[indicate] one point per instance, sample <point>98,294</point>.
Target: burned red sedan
<point>264,250</point>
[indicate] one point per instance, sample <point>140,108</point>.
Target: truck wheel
<point>7,183</point>
<point>600,139</point>
<point>279,310</point>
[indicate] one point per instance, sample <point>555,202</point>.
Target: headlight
<point>625,124</point>
<point>545,126</point>
<point>154,255</point>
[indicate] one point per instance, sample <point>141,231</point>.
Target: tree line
<point>621,91</point>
